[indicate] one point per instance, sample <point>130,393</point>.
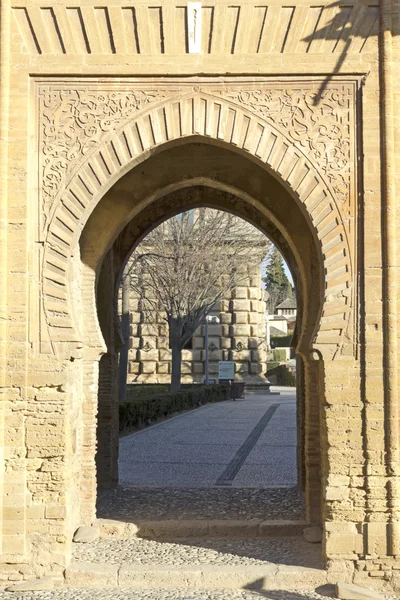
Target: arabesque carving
<point>90,134</point>
<point>317,122</point>
<point>72,124</point>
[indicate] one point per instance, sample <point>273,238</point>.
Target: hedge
<point>279,354</point>
<point>139,410</point>
<point>281,341</point>
<point>282,373</point>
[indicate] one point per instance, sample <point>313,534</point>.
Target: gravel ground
<point>163,595</point>
<point>202,503</point>
<point>286,551</point>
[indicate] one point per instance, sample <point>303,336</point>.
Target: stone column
<point>313,382</point>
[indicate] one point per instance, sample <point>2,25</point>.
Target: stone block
<point>214,341</point>
<point>134,330</point>
<point>254,317</point>
<point>147,329</point>
<point>254,293</point>
<point>349,591</point>
<point>198,368</point>
<point>240,331</point>
<point>253,343</point>
<point>163,368</point>
<point>37,585</point>
<point>148,356</point>
<point>226,318</point>
<point>55,511</point>
<point>241,318</point>
<point>226,343</point>
<point>163,343</point>
<point>134,342</point>
<point>186,368</point>
<point>198,342</point>
<point>91,575</point>
<point>133,368</point>
<point>242,368</point>
<point>240,293</point>
<point>241,305</point>
<point>86,534</point>
<point>149,368</point>
<point>163,329</point>
<point>214,331</point>
<point>313,535</point>
<point>165,354</point>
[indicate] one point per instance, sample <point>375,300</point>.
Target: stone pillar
<point>313,376</point>
<point>107,395</point>
<point>300,420</point>
<point>107,423</point>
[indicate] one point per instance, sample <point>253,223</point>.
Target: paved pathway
<point>249,443</point>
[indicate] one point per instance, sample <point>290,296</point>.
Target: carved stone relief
<point>317,122</point>
<point>303,132</point>
<point>74,121</point>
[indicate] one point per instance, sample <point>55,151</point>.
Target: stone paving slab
<point>171,594</point>
<point>131,503</point>
<point>202,447</point>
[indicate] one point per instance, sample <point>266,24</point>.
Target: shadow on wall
<point>349,30</point>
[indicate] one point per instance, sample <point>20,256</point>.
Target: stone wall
<point>240,336</point>
<point>96,136</point>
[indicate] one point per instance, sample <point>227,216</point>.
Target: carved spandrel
<point>319,124</point>
<point>72,124</point>
<point>74,121</point>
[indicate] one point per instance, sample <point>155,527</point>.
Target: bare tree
<point>186,264</point>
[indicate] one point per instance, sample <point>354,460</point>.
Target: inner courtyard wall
<point>50,399</point>
<point>239,336</point>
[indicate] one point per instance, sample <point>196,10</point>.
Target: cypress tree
<point>276,281</point>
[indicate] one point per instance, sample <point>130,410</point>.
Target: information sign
<point>226,369</point>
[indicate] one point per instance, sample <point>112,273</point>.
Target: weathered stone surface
<point>87,534</point>
<point>349,591</point>
<point>37,585</point>
<point>91,575</point>
<point>310,159</point>
<point>313,535</point>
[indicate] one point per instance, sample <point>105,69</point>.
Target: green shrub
<point>281,341</point>
<point>139,408</point>
<point>279,354</point>
<point>283,375</point>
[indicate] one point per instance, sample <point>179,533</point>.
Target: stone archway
<point>315,193</point>
<point>225,121</point>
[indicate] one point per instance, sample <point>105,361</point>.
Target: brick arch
<point>214,120</point>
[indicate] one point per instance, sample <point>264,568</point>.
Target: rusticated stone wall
<point>291,114</point>
<point>239,336</point>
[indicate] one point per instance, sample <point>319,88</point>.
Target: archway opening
<point>229,180</point>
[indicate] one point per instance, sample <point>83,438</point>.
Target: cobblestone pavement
<point>293,551</point>
<point>247,443</point>
<point>202,503</point>
<point>164,595</point>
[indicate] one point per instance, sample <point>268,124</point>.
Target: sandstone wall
<point>63,155</point>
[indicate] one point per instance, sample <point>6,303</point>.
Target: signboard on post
<point>226,369</point>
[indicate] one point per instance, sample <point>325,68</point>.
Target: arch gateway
<point>115,116</point>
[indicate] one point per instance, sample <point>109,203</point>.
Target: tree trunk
<point>124,351</point>
<point>176,348</point>
<point>176,366</point>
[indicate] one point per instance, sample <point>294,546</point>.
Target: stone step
<point>198,528</point>
<point>271,564</point>
<point>166,594</point>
